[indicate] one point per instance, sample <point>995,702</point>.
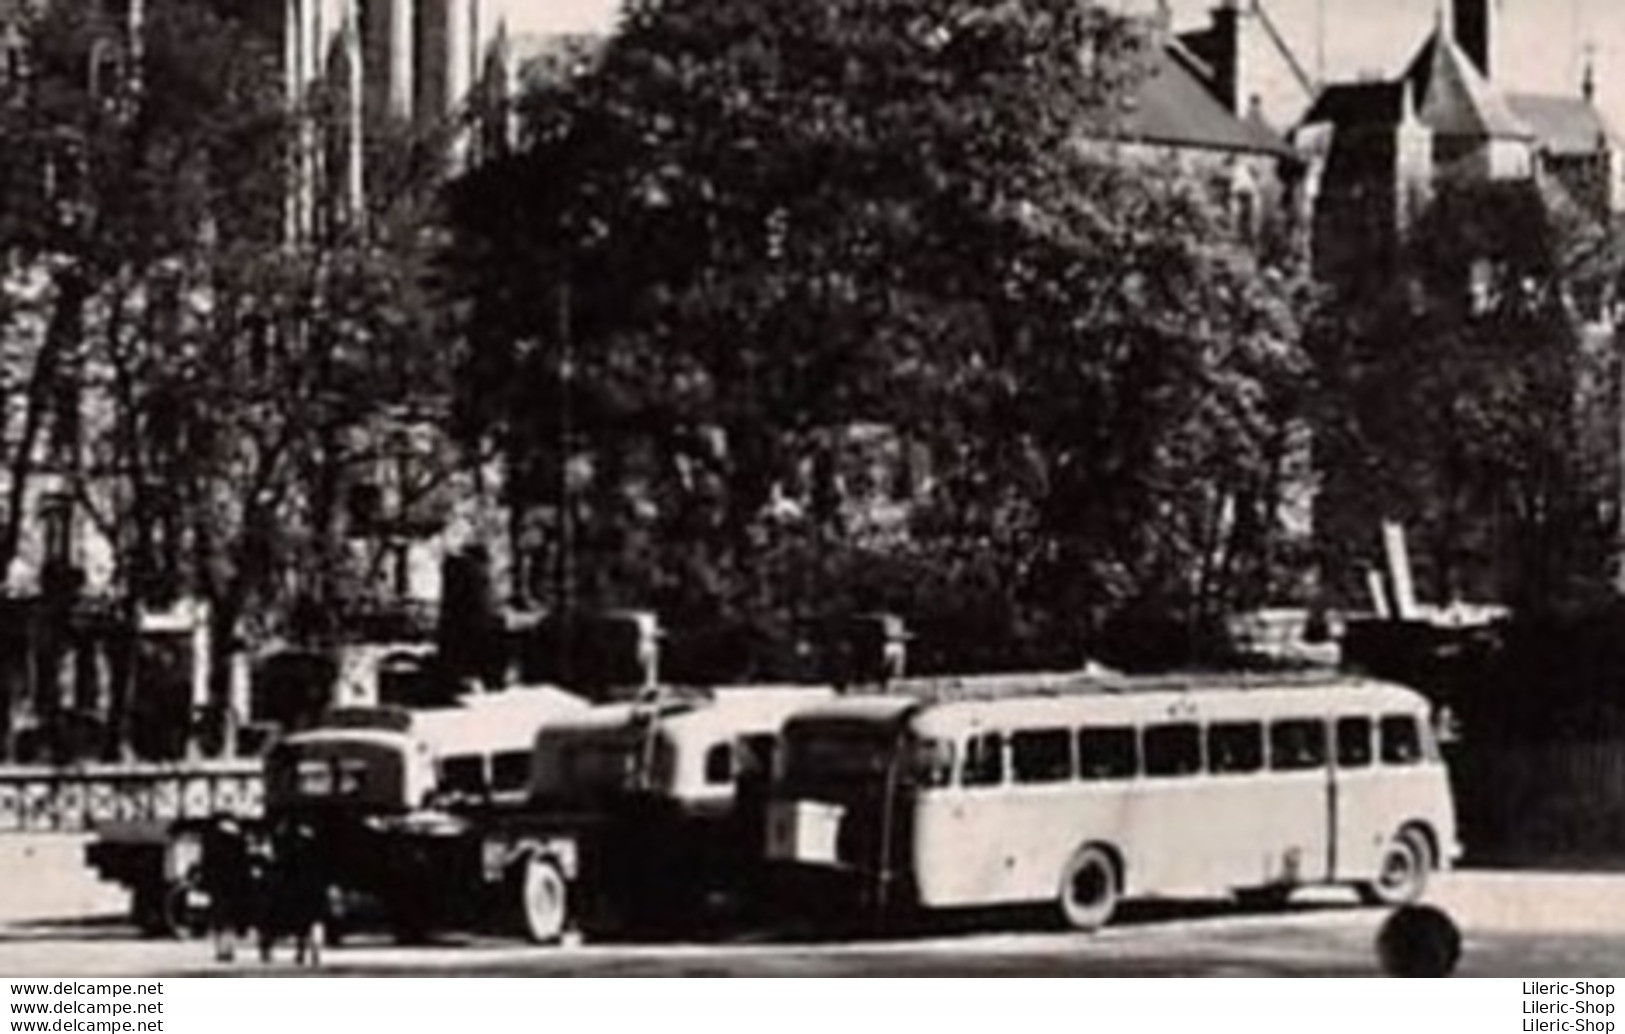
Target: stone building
<point>1198,109</point>
<point>1397,167</point>
<point>1380,150</point>
<point>356,72</point>
<point>1249,66</point>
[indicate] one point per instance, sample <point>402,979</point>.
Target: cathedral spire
<point>354,78</point>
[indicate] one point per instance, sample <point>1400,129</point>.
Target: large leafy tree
<point>1464,396</point>
<point>788,309</point>
<point>204,383</point>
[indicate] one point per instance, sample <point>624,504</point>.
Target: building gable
<point>1454,99</point>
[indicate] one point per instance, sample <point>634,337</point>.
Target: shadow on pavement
<point>70,928</point>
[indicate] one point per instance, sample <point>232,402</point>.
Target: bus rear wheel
<point>1402,871</point>
<point>543,900</point>
<point>184,915</point>
<point>1090,888</point>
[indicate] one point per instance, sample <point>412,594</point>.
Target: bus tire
<point>1090,888</point>
<point>147,910</point>
<point>1402,870</point>
<point>543,900</point>
<point>180,918</point>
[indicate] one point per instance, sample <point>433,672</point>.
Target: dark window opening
<point>1401,740</point>
<point>1354,742</point>
<point>984,760</point>
<point>1108,753</point>
<point>1235,748</point>
<point>934,763</point>
<point>464,774</point>
<point>719,764</point>
<point>1297,745</point>
<point>1041,756</point>
<point>510,770</point>
<point>1173,750</point>
<point>757,756</point>
<point>56,519</point>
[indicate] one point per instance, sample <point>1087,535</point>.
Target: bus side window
<point>984,760</point>
<point>510,770</point>
<point>1297,745</point>
<point>1041,756</point>
<point>758,755</point>
<point>1108,753</point>
<point>1353,742</point>
<point>1401,740</point>
<point>934,763</point>
<point>1235,748</point>
<point>1173,750</point>
<point>464,773</point>
<point>719,764</point>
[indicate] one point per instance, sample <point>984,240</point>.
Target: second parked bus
<point>1086,791</point>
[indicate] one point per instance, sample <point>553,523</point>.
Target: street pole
<point>565,589</point>
<point>1619,449</point>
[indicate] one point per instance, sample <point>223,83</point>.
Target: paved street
<point>1515,924</point>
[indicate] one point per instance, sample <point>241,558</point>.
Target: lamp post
<point>564,589</point>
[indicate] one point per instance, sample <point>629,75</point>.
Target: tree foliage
<point>202,383</point>
<point>804,308</point>
<point>1463,395</point>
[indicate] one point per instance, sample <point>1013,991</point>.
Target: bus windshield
<point>839,754</point>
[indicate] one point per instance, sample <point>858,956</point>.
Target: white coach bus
<point>1086,791</point>
<point>670,795</point>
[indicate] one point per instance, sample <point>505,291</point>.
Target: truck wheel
<point>184,917</point>
<point>543,900</point>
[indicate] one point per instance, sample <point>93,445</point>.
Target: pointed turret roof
<point>1454,98</point>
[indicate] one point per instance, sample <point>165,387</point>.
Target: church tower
<point>1474,25</point>
<point>387,30</point>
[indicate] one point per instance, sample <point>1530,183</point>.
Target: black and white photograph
<point>813,488</point>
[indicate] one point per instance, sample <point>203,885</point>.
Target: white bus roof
<point>746,710</point>
<point>741,709</point>
<point>1119,700</point>
<point>495,721</point>
<point>391,738</point>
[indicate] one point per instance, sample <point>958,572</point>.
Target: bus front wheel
<point>1402,870</point>
<point>1090,887</point>
<point>543,900</point>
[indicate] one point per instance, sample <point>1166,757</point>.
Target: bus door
<point>1295,803</point>
<point>1355,795</point>
<point>887,853</point>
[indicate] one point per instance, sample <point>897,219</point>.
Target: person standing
<point>226,878</point>
<point>299,895</point>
